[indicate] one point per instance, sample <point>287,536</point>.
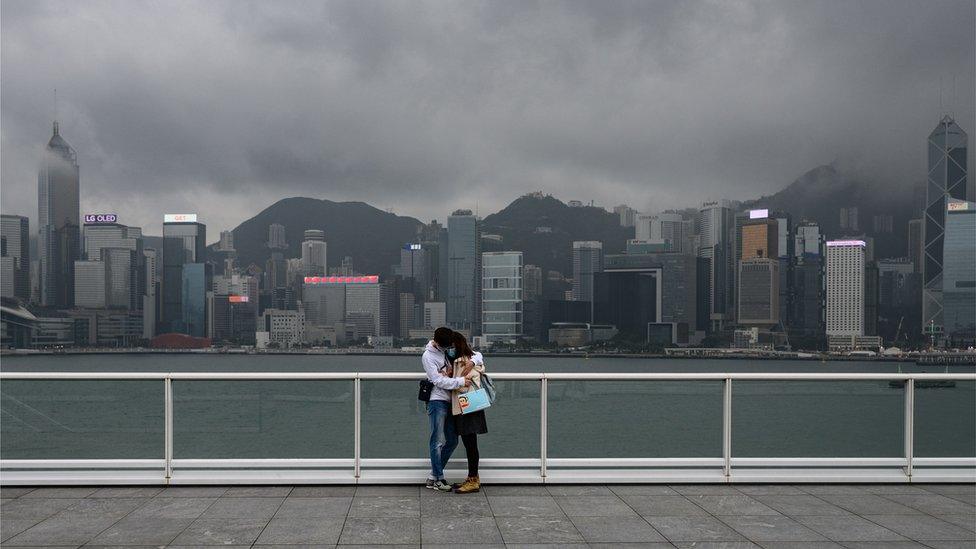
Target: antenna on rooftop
<point>55,111</point>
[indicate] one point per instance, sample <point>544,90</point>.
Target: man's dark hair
<point>442,337</point>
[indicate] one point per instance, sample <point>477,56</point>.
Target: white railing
<point>724,469</point>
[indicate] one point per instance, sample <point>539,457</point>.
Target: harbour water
<point>314,419</point>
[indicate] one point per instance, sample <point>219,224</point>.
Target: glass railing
<point>60,427</point>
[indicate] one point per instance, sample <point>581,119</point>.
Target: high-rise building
<point>959,274</point>
<point>59,234</point>
<point>501,297</point>
<point>676,275</point>
<point>947,149</point>
<point>587,261</point>
<point>226,241</point>
<point>807,306</point>
<point>464,272</point>
<point>418,267</point>
<point>354,300</point>
<point>98,236</point>
<point>283,328</point>
<point>121,248</point>
<point>235,319</point>
<point>916,242</point>
<point>628,215</point>
<point>758,296</point>
<point>531,282</point>
<point>435,314</point>
<point>276,237</point>
<point>184,242</point>
<point>150,300</point>
<point>715,226</point>
<point>666,228</point>
<point>15,254</point>
<point>807,239</point>
<point>314,257</point>
<point>123,278</point>
<point>629,299</point>
<point>89,284</point>
<point>195,286</point>
<point>845,288</point>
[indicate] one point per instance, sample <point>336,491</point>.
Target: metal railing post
<point>543,424</point>
<point>357,424</point>
<point>727,428</point>
<point>168,426</point>
<point>909,426</point>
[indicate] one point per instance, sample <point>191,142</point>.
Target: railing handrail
<point>548,469</point>
<point>605,376</point>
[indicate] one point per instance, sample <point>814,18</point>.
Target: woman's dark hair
<point>443,336</point>
<point>461,344</point>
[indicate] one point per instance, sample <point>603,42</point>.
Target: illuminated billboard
<point>95,219</point>
<point>238,299</point>
<point>958,206</point>
<point>180,218</point>
<point>368,279</point>
<point>860,243</point>
<point>758,214</point>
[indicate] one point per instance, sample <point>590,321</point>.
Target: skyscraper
<point>587,261</point>
<point>314,248</point>
<point>715,224</point>
<point>845,288</point>
<point>15,253</point>
<point>502,296</point>
<point>59,237</point>
<point>947,148</point>
<point>276,236</point>
<point>758,295</point>
<point>464,271</point>
<point>959,274</point>
<point>184,242</point>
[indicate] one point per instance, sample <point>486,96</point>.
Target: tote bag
<point>473,401</point>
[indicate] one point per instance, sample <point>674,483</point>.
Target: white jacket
<point>436,366</point>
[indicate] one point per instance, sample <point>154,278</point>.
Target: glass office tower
<point>184,242</point>
<point>59,236</point>
<point>464,272</point>
<point>959,274</point>
<point>501,320</point>
<point>946,180</point>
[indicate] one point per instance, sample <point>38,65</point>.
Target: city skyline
<point>612,114</point>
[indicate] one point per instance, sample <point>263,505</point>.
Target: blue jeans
<point>443,438</point>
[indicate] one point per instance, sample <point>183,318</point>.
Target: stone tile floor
<point>941,516</point>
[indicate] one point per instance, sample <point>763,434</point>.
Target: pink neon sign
<point>367,279</point>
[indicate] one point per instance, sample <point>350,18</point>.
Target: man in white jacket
<point>443,438</point>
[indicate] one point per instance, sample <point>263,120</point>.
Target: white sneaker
<point>438,485</point>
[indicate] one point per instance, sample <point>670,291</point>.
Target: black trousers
<point>471,449</point>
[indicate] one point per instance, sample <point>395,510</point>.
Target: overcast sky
<point>222,108</point>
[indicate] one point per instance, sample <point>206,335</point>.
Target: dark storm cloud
<point>224,107</point>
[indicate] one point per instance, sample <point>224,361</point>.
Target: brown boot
<point>470,485</point>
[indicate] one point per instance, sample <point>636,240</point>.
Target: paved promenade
<point>651,516</point>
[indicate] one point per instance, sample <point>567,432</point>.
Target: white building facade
<point>845,287</point>
<point>501,288</point>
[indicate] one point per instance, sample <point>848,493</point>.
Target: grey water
<point>89,419</point>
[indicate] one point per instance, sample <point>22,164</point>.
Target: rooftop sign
<point>95,219</point>
<point>179,218</point>
<point>238,299</point>
<point>369,279</point>
<point>758,214</point>
<point>860,243</point>
<point>958,206</point>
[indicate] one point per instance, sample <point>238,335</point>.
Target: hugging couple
<point>453,369</point>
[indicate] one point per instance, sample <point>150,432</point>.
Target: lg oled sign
<point>180,218</point>
<point>95,219</point>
